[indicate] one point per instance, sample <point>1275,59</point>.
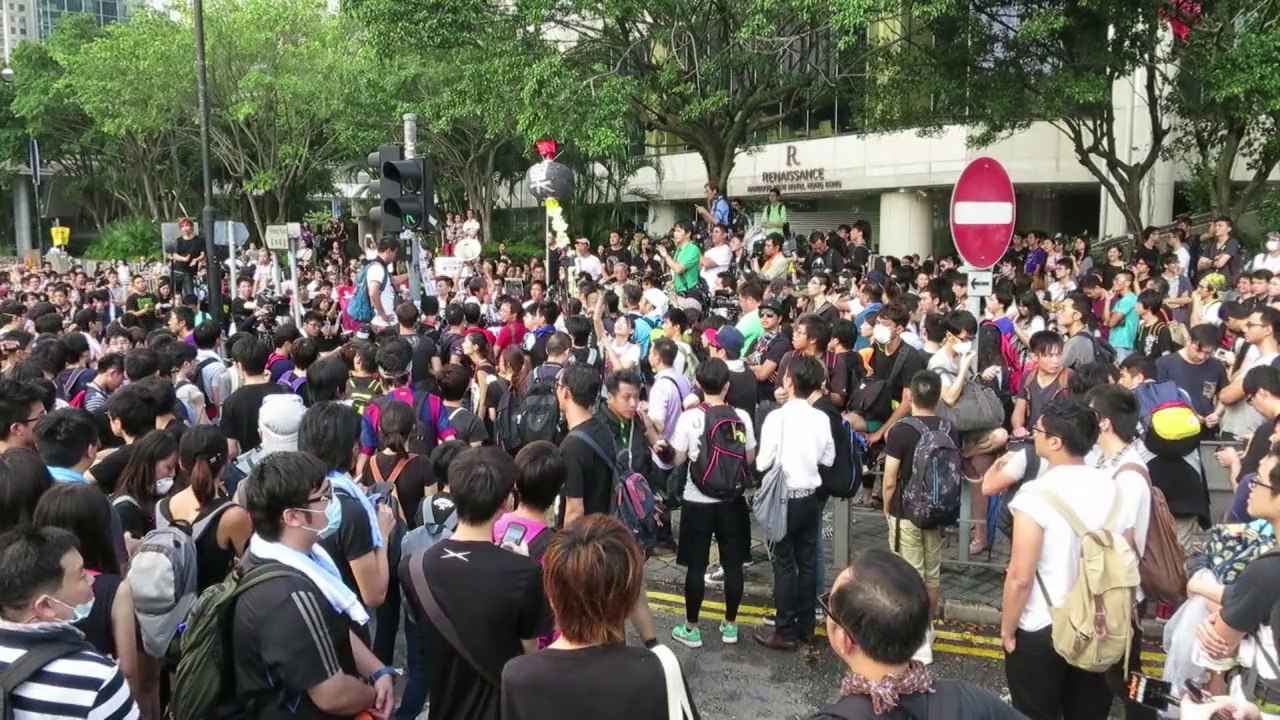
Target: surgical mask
<point>78,612</point>
<point>962,347</point>
<point>881,334</point>
<point>332,518</point>
<point>163,486</point>
<point>1273,245</point>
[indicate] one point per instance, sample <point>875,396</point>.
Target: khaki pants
<point>921,548</point>
<point>1188,529</point>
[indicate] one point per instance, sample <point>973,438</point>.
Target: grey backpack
<point>931,496</point>
<point>162,577</point>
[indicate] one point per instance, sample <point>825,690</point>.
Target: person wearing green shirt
<point>1121,312</point>
<point>750,295</point>
<point>775,213</point>
<point>684,266</point>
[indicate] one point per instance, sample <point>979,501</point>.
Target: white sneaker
<point>925,654</point>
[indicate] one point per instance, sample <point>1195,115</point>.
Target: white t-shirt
<point>378,273</point>
<point>1016,467</point>
<point>1090,493</point>
<point>1264,261</point>
<point>1136,493</point>
<point>1240,419</point>
<point>688,439</point>
<point>722,255</point>
<point>590,265</point>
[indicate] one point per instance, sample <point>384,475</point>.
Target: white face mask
<point>163,486</point>
<point>1273,245</point>
<point>962,347</point>
<point>881,334</point>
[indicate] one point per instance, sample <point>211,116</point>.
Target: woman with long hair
<point>1031,318</point>
<point>24,478</point>
<point>512,367</point>
<point>110,626</point>
<point>475,347</point>
<point>593,574</point>
<point>1080,253</point>
<point>204,458</point>
<point>148,477</point>
<point>408,473</point>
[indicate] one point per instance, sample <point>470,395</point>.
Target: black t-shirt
<point>845,374</point>
<point>143,301</point>
<point>285,634</point>
<point>106,473</point>
<point>959,700</point>
<point>468,427</point>
<point>900,443</point>
<point>1202,382</point>
<point>861,255</point>
<point>882,368</point>
<point>240,413</point>
<point>618,682</point>
<point>411,484</point>
<point>243,316</point>
<point>1247,603</point>
<point>1151,255</point>
<point>191,248</point>
<point>1154,341</point>
<point>829,262</point>
<point>352,541</point>
<point>612,257</point>
<point>133,519</point>
<point>774,351</point>
<point>588,477</point>
<point>494,599</point>
<point>424,348</point>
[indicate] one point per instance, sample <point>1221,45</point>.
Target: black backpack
<point>198,379</point>
<point>1102,350</point>
<point>539,416</point>
<point>721,470</point>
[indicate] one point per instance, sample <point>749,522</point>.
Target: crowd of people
<point>200,519</point>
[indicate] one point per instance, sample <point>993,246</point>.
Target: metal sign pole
<point>295,305</point>
<point>231,268</point>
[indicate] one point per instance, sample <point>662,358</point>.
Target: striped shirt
<point>83,684</point>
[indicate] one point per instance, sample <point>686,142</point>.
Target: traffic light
<point>413,202</point>
<point>386,187</point>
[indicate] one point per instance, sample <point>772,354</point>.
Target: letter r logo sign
<point>791,156</point>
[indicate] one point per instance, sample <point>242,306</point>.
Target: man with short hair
<point>896,363</point>
<point>585,263</point>
<point>1194,369</point>
<point>717,258</point>
<point>1043,565</point>
<point>46,588</point>
<point>1261,330</point>
<point>21,408</point>
<point>492,597</point>
<point>877,615</point>
<point>666,396</point>
<point>684,266</point>
<point>380,283</point>
<point>750,297</point>
<point>1222,254</point>
<point>798,437</point>
<point>1120,309</point>
<point>240,411</point>
<point>293,636</point>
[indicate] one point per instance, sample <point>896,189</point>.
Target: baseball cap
<point>727,338</point>
<point>278,422</point>
<point>657,299</point>
<point>773,305</point>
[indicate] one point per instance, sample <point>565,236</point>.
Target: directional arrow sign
<point>983,210</point>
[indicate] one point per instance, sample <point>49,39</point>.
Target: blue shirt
<point>720,209</point>
<point>642,326</point>
<point>1126,333</point>
<point>66,475</point>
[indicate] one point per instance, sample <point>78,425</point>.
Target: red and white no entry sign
<point>983,211</point>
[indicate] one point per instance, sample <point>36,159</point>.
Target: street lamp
<point>206,171</point>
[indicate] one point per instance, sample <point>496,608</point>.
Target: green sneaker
<point>729,632</point>
<point>689,636</point>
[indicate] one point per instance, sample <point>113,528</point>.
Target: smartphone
<point>514,534</point>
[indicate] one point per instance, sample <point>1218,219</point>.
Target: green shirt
<point>751,329</point>
<point>688,256</point>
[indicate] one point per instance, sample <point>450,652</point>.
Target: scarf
<point>319,568</point>
<point>884,693</point>
<point>343,482</point>
<point>66,475</point>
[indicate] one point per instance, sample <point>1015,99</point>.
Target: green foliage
<point>520,249</point>
<point>130,237</point>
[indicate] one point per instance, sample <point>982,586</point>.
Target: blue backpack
<point>361,307</point>
<point>291,381</point>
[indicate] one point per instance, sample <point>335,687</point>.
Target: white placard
<point>448,266</point>
<point>277,237</point>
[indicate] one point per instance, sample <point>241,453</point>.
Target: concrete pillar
<point>662,216</point>
<point>906,224</point>
<point>22,218</point>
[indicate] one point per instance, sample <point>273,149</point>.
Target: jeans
<point>387,621</point>
<point>415,676</point>
<point>183,284</point>
<point>820,557</point>
<point>793,574</point>
<point>1044,687</point>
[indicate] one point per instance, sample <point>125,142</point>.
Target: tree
<point>1000,66</point>
<point>1227,95</point>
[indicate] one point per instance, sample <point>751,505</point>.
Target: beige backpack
<point>1093,628</point>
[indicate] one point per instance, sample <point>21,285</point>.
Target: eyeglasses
<point>324,498</point>
<point>1256,325</point>
<point>1042,431</point>
<point>824,601</point>
<point>1255,482</point>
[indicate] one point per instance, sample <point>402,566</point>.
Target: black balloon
<point>550,179</point>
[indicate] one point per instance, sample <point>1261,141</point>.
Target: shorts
<point>728,521</point>
<point>922,549</point>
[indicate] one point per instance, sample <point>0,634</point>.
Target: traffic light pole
<point>214,272</point>
<point>411,151</point>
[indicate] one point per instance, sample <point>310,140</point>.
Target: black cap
<point>773,305</point>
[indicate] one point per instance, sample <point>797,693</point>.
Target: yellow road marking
<point>753,615</point>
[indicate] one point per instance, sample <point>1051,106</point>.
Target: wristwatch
<point>381,673</point>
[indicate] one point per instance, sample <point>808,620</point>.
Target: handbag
<point>678,705</point>
<point>769,506</point>
<point>977,408</point>
<point>871,390</point>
